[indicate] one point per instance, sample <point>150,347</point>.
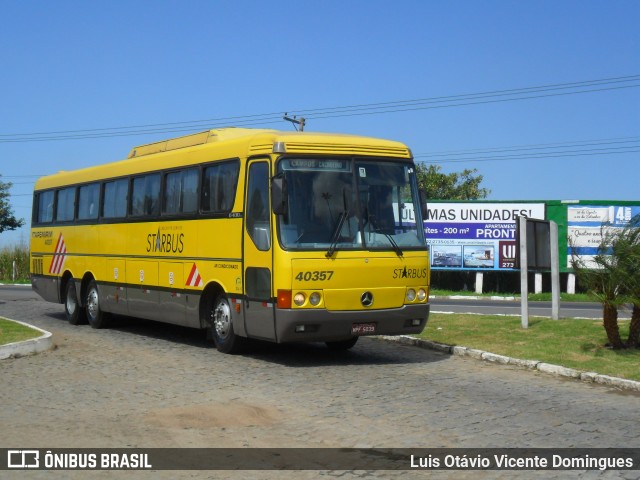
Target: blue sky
<point>83,65</point>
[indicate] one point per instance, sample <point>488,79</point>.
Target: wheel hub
<point>71,304</point>
<point>92,303</point>
<point>222,320</point>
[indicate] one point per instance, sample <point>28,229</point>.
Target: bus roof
<point>222,143</point>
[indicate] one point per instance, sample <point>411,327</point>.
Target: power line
<point>535,146</point>
<point>541,156</point>
<point>529,152</point>
<point>540,151</point>
<point>20,176</point>
<point>588,83</point>
<point>452,101</point>
<point>472,102</point>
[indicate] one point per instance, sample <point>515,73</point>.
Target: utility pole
<point>295,121</point>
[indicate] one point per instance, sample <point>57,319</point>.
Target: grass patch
<point>534,297</point>
<point>572,343</point>
<point>565,297</point>
<point>11,332</point>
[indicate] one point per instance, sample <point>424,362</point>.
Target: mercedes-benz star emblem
<point>366,299</point>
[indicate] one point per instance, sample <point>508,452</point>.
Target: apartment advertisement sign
<point>476,236</point>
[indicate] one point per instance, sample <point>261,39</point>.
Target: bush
<point>19,254</point>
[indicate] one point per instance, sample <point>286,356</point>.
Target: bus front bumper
<point>305,325</point>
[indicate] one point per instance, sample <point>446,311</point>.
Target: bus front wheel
<point>222,327</point>
<point>96,317</point>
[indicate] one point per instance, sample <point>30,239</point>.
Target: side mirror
<point>423,204</point>
<point>279,202</point>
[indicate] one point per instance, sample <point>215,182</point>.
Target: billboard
<point>476,236</point>
<point>587,224</point>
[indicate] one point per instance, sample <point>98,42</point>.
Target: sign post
<point>524,272</point>
<point>555,271</point>
<point>538,250</point>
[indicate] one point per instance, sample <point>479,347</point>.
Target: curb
<point>550,369</point>
<point>28,347</point>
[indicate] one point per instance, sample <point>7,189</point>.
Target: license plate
<point>363,328</point>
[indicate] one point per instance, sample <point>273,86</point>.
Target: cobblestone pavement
<point>144,384</point>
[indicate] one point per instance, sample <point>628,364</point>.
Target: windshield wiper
<point>393,243</point>
<point>336,234</point>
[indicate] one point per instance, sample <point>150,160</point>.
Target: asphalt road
<point>17,292</point>
<point>144,384</point>
<point>485,306</point>
<point>512,307</point>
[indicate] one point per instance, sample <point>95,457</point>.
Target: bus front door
<point>258,306</point>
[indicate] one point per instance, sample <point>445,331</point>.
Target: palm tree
<point>605,281</point>
<point>626,249</point>
<point>634,327</point>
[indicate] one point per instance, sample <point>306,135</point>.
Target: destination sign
<point>315,164</point>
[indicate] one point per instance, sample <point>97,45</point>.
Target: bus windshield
<point>338,204</point>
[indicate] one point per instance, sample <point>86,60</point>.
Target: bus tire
<point>342,344</point>
<point>74,312</point>
<point>225,339</point>
<point>95,316</point>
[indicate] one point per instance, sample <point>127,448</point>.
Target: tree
<point>627,251</point>
<point>437,185</point>
<point>464,185</point>
<point>7,220</point>
<point>613,279</point>
<point>603,282</point>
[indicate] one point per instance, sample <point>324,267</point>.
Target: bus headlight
<point>314,299</point>
<point>422,295</point>
<point>299,299</point>
<point>411,295</point>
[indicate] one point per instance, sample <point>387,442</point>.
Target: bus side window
<point>45,207</point>
<point>258,206</point>
<point>66,204</point>
<point>181,192</point>
<point>145,196</point>
<point>219,184</point>
<point>116,194</point>
<point>88,201</point>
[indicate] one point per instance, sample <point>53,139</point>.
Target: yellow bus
<point>247,233</point>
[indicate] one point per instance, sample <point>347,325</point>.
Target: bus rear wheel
<point>225,339</point>
<point>96,317</point>
<point>74,313</point>
<point>342,344</point>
